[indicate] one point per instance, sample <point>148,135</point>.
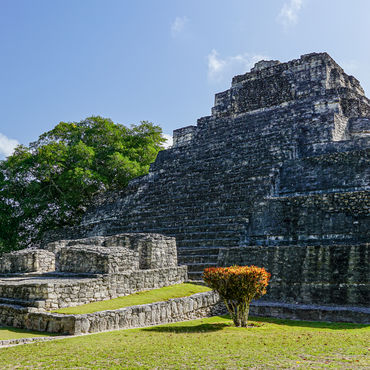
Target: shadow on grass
<point>310,324</point>
<point>202,328</point>
<point>254,322</point>
<point>11,329</point>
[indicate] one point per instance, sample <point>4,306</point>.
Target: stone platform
<point>87,270</point>
<point>306,312</point>
<point>177,309</point>
<point>52,291</point>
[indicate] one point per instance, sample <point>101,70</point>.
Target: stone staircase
<point>37,303</point>
<point>197,259</point>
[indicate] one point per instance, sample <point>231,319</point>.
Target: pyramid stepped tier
<point>282,162</point>
<point>334,274</point>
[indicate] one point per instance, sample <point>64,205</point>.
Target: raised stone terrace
<point>279,169</point>
<point>73,272</point>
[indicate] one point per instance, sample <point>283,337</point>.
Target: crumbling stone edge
<point>178,309</point>
<point>14,342</point>
<point>305,312</point>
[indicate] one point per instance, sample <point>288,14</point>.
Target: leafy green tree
<point>50,183</point>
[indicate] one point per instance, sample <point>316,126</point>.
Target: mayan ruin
<point>278,176</point>
<point>279,171</point>
<point>184,184</point>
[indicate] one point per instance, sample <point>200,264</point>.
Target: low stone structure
<point>65,290</point>
<point>97,260</point>
<point>90,269</point>
<point>29,260</point>
<point>177,309</point>
<point>144,251</point>
<point>311,312</point>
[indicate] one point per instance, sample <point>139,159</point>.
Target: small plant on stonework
<point>237,286</point>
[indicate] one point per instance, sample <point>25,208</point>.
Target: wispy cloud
<point>220,69</point>
<point>178,25</point>
<point>288,15</point>
<point>169,141</point>
<point>7,145</point>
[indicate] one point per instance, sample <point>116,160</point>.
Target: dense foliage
<point>48,184</point>
<point>237,286</point>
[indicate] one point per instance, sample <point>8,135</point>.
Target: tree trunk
<point>239,312</point>
<point>244,315</point>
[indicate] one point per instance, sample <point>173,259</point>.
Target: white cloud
<point>178,25</point>
<point>220,69</point>
<point>7,145</point>
<point>288,15</point>
<point>169,141</point>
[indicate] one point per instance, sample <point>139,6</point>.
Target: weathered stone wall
<point>65,291</point>
<point>334,274</point>
<point>277,83</point>
<point>97,260</point>
<point>359,127</point>
<point>28,260</point>
<point>310,312</point>
<point>178,309</point>
<point>282,160</point>
<point>143,250</point>
<point>325,173</point>
<point>309,219</point>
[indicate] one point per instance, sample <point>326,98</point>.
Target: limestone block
<point>27,260</point>
<point>97,260</point>
<point>154,250</point>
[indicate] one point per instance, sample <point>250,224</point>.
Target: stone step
<point>207,235</point>
<point>194,225</point>
<point>310,312</point>
<point>214,243</point>
<point>185,239</point>
<point>216,208</point>
<point>197,250</point>
<point>199,267</point>
<point>192,259</point>
<point>222,230</point>
<point>195,275</point>
<point>198,282</point>
<point>22,302</point>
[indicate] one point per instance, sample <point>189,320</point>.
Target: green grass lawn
<point>207,343</point>
<point>15,333</point>
<point>149,296</point>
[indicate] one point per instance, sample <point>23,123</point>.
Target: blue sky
<point>158,60</point>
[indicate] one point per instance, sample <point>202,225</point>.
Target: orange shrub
<point>237,286</point>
